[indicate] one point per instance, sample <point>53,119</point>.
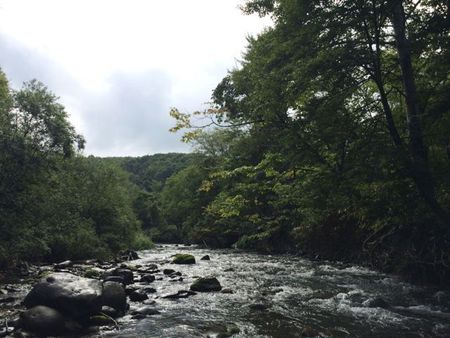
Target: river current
<point>281,295</point>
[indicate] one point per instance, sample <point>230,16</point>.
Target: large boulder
<point>75,296</point>
<point>113,295</point>
<point>183,259</point>
<point>45,321</point>
<point>206,284</point>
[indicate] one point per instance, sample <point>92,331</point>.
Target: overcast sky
<point>118,66</point>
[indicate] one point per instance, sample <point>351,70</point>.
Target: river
<point>280,295</point>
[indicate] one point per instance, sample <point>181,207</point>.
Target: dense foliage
<point>336,137</point>
<point>55,204</point>
<point>148,176</point>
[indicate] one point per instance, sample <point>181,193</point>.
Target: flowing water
<point>280,295</point>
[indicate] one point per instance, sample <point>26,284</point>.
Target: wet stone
<point>258,307</point>
<point>206,284</point>
<point>149,290</point>
<point>376,302</point>
<point>127,274</point>
<point>137,296</point>
<point>147,278</point>
<point>183,259</point>
<point>146,311</point>
<point>180,294</point>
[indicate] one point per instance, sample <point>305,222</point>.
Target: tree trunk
<point>419,165</point>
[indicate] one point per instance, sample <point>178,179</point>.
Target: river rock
<point>113,295</point>
<point>75,296</point>
<point>205,258</point>
<point>137,296</point>
<point>183,259</point>
<point>376,302</point>
<point>206,284</point>
<point>149,290</point>
<point>227,291</point>
<point>151,266</point>
<point>44,321</point>
<point>258,306</point>
<point>146,311</point>
<point>127,274</point>
<point>147,278</point>
<point>180,294</point>
<point>168,271</point>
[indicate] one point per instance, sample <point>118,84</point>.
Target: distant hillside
<point>151,171</point>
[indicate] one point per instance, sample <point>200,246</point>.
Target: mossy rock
<point>206,284</point>
<point>183,259</point>
<point>91,273</point>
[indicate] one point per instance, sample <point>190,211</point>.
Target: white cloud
<point>94,43</point>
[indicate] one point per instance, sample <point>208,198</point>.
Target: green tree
<point>34,135</point>
<point>350,44</point>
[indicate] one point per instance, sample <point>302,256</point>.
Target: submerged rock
<point>206,284</point>
<point>376,302</point>
<point>180,294</point>
<point>222,330</point>
<point>75,296</point>
<point>308,331</point>
<point>227,291</point>
<point>146,311</point>
<point>183,259</point>
<point>258,306</point>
